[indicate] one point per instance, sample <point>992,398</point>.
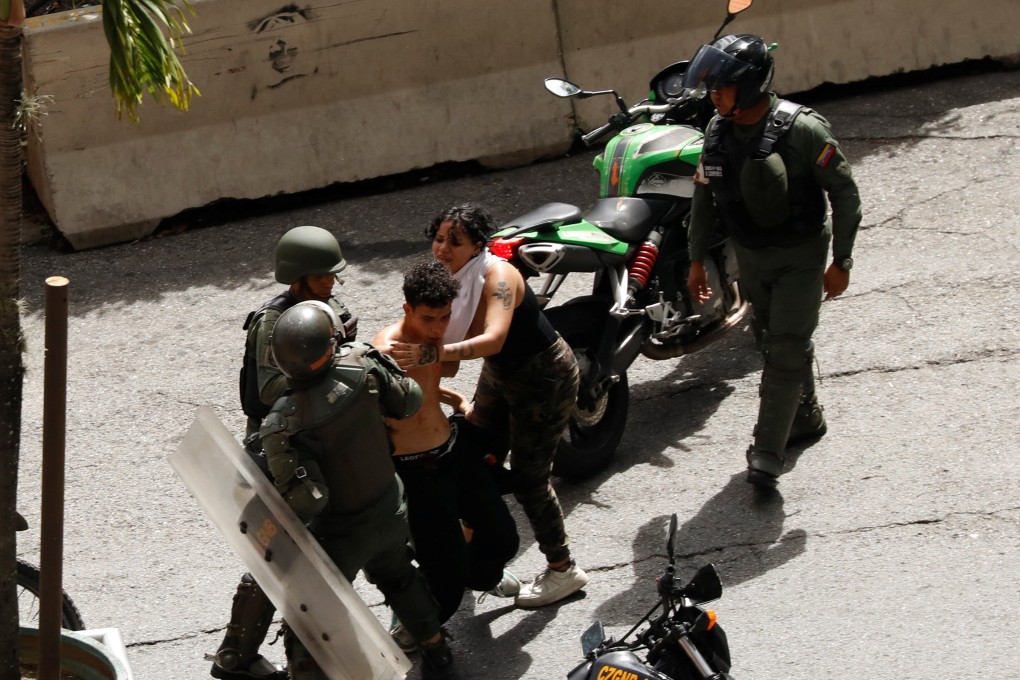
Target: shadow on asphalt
<point>738,530</point>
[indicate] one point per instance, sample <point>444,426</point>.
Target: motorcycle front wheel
<point>593,434</point>
<point>28,600</point>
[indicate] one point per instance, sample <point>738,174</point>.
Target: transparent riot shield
<point>318,603</point>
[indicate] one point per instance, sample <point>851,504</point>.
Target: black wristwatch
<point>844,263</point>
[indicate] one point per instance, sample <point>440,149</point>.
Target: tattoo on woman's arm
<point>505,294</point>
<point>428,355</point>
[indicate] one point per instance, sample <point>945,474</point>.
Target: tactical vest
<point>251,403</point>
<point>341,413</point>
<point>723,158</point>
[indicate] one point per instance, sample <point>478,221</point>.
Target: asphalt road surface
<point>891,550</point>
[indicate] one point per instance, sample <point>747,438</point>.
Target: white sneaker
<point>508,586</point>
<point>552,586</point>
<point>400,635</point>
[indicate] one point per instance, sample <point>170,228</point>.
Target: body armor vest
<point>341,413</point>
<point>723,158</point>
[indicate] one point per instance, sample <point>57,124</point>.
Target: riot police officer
<point>328,450</point>
<point>308,261</point>
<point>769,171</point>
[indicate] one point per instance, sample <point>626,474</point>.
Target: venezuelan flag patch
<point>825,156</point>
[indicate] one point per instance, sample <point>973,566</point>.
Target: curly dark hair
<point>473,219</point>
<point>429,283</point>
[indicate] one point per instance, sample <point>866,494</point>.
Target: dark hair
<point>431,284</point>
<point>473,219</point>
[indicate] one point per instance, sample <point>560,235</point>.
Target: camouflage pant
<point>529,403</point>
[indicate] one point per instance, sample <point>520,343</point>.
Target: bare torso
<point>429,427</point>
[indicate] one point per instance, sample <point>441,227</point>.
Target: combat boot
<point>809,422</point>
<point>250,617</point>
<point>763,467</point>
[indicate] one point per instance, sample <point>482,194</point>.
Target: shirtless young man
<point>445,478</point>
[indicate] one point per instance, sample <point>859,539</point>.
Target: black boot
<point>809,422</point>
<point>250,618</point>
<point>258,668</point>
<point>763,467</point>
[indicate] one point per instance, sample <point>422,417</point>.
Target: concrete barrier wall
<point>821,41</point>
<point>298,97</point>
<point>293,98</point>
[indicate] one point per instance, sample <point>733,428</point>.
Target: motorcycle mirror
<point>562,88</point>
<point>670,548</point>
<point>733,8</point>
<point>592,638</point>
<point>705,586</point>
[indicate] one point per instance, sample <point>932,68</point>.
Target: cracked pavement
<point>891,549</point>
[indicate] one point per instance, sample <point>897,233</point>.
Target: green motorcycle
<point>634,241</point>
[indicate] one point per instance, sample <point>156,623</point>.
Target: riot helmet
<point>741,60</point>
<point>304,339</point>
<point>307,251</point>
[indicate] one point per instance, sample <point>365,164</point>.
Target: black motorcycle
<point>683,640</point>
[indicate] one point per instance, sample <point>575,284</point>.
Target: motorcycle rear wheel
<point>593,434</point>
<point>28,600</point>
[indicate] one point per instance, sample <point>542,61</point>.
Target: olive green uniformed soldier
<point>769,171</point>
<point>308,260</point>
<point>328,450</point>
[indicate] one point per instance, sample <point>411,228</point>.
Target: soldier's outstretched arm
<point>399,395</point>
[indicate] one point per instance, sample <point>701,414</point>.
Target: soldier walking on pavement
<point>328,449</point>
<point>766,169</point>
<point>308,261</point>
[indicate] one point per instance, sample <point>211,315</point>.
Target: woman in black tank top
<point>526,389</point>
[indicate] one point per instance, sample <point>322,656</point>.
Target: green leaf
<point>142,56</point>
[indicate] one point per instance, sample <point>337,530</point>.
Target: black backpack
<point>251,404</point>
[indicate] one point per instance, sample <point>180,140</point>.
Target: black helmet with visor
<point>741,60</point>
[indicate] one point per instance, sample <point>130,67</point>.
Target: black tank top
<point>530,332</point>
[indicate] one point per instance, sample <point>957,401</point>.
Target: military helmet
<point>307,251</point>
<point>741,60</point>
<point>304,339</point>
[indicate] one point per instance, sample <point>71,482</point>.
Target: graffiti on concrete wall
<point>284,54</point>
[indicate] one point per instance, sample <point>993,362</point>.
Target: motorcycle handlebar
<point>590,138</point>
<point>620,120</point>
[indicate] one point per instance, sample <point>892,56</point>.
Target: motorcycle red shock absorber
<point>640,268</point>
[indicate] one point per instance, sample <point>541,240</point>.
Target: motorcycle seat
<point>545,215</point>
<point>628,219</point>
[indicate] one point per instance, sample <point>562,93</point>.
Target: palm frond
<point>143,57</point>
